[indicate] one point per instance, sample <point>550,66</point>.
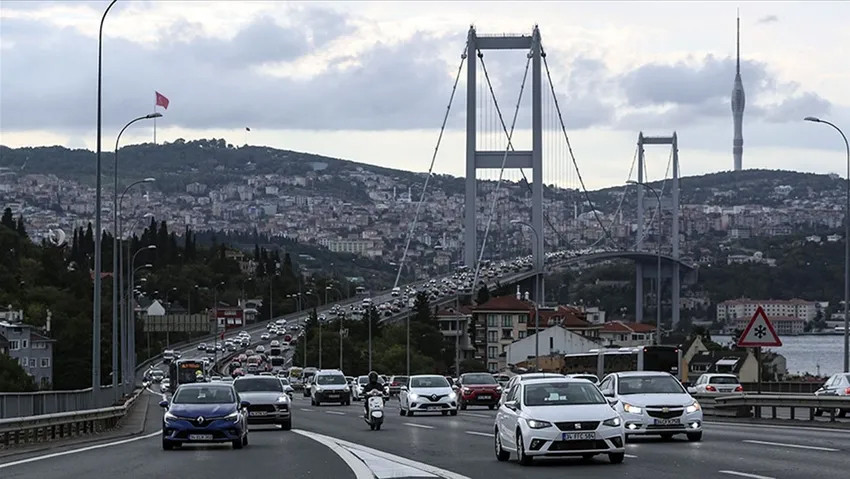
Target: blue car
<point>205,413</point>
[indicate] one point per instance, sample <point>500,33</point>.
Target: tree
<point>13,378</point>
<point>22,231</point>
<point>8,220</point>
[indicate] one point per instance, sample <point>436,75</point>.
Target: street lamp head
<point>812,118</point>
<point>148,265</point>
<point>153,115</point>
<point>149,180</point>
<point>152,246</point>
<point>631,182</point>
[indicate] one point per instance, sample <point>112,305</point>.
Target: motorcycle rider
<point>372,385</point>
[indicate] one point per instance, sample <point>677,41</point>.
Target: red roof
<point>505,303</point>
<point>565,316</point>
<point>625,327</point>
<point>452,312</point>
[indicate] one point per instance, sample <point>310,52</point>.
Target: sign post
<point>759,333</point>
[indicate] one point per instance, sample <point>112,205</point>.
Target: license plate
<point>667,422</point>
<point>435,407</point>
<point>257,413</point>
<point>578,436</point>
<point>484,396</point>
<point>333,396</point>
<point>200,437</point>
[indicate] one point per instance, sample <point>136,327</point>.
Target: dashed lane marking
<point>77,451</point>
<point>335,412</point>
<point>744,474</point>
<point>631,456</point>
<point>476,433</point>
<point>793,446</point>
<point>306,409</point>
<point>423,426</point>
<point>477,415</point>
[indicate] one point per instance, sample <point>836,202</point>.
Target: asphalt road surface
<point>335,442</point>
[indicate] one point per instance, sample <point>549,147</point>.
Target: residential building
<point>572,319</point>
<point>32,350</point>
<point>555,340</point>
<point>740,362</point>
<point>4,345</point>
<point>626,334</point>
<point>784,325</point>
<point>499,322</point>
<point>746,308</point>
<point>454,324</point>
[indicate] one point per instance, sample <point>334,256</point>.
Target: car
<point>524,377</point>
<point>202,347</point>
<point>274,344</point>
<point>269,403</point>
<point>395,384</point>
<point>586,376</point>
<point>264,336</point>
<point>287,388</point>
<point>478,389</point>
<point>329,386</point>
<point>165,384</point>
<point>557,417</point>
<point>215,378</point>
<point>157,375</point>
<point>653,403</point>
<point>353,387</point>
<point>836,385</point>
<point>717,384</point>
<point>427,393</point>
<point>205,412</point>
<point>261,349</point>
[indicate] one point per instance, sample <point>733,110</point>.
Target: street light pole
<point>846,245</point>
<point>537,278</point>
<point>658,265</point>
<point>95,349</point>
<point>131,319</point>
<point>115,264</point>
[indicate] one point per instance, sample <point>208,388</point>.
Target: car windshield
<point>478,379</point>
<point>363,380</point>
<point>204,395</point>
<point>723,380</point>
<point>562,394</point>
<point>649,385</point>
<point>399,379</point>
<point>284,381</point>
<point>429,382</point>
<point>330,379</point>
<point>258,385</point>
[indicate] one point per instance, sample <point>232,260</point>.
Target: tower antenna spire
<point>738,44</point>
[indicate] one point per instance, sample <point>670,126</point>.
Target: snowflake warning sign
<point>759,332</point>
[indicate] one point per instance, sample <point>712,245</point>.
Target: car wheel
<point>402,412</point>
<point>695,436</point>
<point>453,412</point>
<point>372,427</point>
<point>492,406</point>
<point>463,405</point>
<point>666,436</point>
<point>524,459</point>
<point>501,454</point>
<point>445,413</point>
<point>237,444</point>
<point>286,425</point>
<point>410,413</point>
<point>167,445</point>
<point>616,457</point>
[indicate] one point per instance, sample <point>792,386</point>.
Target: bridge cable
<point>570,148</point>
<point>656,211</point>
<point>431,167</point>
<point>508,148</point>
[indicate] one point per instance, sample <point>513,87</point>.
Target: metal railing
<point>16,405</point>
<point>779,406</point>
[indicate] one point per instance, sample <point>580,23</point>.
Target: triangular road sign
<point>759,332</point>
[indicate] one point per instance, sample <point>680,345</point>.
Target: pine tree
<point>20,227</point>
<point>8,220</point>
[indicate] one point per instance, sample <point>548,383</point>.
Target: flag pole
<point>154,121</point>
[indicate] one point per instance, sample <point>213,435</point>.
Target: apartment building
<point>499,322</point>
<point>27,345</point>
<point>784,325</point>
<point>774,308</point>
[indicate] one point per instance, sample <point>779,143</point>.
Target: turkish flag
<point>161,100</point>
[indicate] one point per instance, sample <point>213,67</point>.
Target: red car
<point>479,389</point>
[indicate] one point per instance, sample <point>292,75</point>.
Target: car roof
<point>557,379</point>
<point>641,373</point>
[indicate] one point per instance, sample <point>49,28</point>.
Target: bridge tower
<point>476,159</point>
<point>675,273</point>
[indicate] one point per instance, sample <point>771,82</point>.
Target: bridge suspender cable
<point>431,167</point>
<point>502,170</point>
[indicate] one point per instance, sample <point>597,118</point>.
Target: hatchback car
<point>836,385</point>
<point>270,404</point>
<point>479,389</point>
<point>204,412</point>
<point>654,403</point>
<point>557,417</point>
<point>427,393</point>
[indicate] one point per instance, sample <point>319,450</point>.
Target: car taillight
<point>847,391</point>
<point>739,388</point>
<point>711,388</point>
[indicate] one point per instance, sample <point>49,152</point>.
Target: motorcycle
<point>374,416</point>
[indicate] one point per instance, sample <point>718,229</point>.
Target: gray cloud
<point>768,19</point>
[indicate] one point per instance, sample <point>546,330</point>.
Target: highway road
<point>334,442</point>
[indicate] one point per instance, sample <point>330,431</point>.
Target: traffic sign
<point>759,332</point>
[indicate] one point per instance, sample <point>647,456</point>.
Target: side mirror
<point>512,405</point>
<point>612,401</point>
<point>692,390</point>
<point>403,388</point>
<point>244,404</point>
<point>608,394</point>
<point>163,403</point>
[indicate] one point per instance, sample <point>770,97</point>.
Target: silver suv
<point>329,386</point>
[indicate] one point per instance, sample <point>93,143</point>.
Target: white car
<point>264,336</point>
<point>586,376</point>
<point>717,384</point>
<point>558,417</point>
<point>329,386</point>
<point>427,393</point>
<point>654,403</point>
<point>261,349</point>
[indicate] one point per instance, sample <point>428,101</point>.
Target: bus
<point>361,291</point>
<point>642,358</point>
<point>277,362</point>
<point>294,375</point>
<point>184,371</point>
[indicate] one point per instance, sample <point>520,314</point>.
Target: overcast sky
<point>370,81</point>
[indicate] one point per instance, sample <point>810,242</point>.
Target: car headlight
<point>632,409</point>
<point>693,407</point>
<point>318,389</point>
<point>234,416</point>
<point>413,396</point>
<point>283,398</point>
<point>346,389</point>
<point>613,422</point>
<point>535,424</point>
<point>467,390</point>
<point>170,417</point>
<point>452,396</point>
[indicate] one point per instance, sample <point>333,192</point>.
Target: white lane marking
<point>793,446</point>
<point>477,415</point>
<point>443,473</point>
<point>357,466</point>
<point>476,433</point>
<point>744,474</point>
<point>631,456</point>
<point>76,451</point>
<point>336,412</point>
<point>306,409</point>
<point>776,426</point>
<point>423,426</point>
<point>384,468</point>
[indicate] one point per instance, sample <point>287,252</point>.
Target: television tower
<point>738,101</point>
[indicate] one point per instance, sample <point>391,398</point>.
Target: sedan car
<point>269,403</point>
<point>836,385</point>
<point>396,382</point>
<point>479,389</point>
<point>264,336</point>
<point>427,393</point>
<point>586,376</point>
<point>203,412</point>
<point>558,417</point>
<point>717,384</point>
<point>654,403</point>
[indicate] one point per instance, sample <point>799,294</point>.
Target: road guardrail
<point>752,405</point>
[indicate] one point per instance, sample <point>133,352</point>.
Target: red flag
<point>161,100</point>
